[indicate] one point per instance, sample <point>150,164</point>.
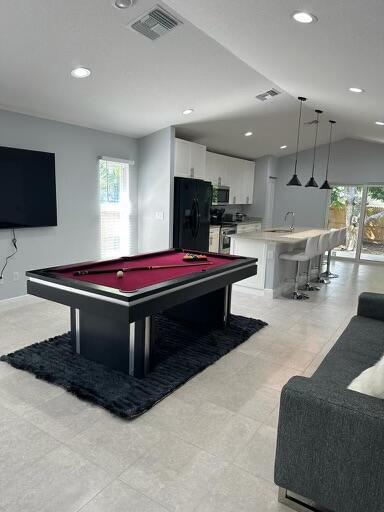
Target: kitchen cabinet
<point>217,171</point>
<point>214,238</point>
<point>236,173</point>
<point>248,181</point>
<point>235,180</point>
<point>190,159</point>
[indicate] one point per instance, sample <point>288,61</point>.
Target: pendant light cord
<point>329,147</point>
<point>298,134</point>
<point>314,147</point>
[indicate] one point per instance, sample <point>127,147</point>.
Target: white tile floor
<point>208,447</point>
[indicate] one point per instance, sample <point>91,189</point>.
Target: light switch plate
<point>159,215</point>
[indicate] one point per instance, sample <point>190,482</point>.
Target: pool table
<point>111,317</point>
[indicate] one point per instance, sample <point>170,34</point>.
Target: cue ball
<point>120,274</point>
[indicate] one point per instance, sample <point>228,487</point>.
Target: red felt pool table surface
<point>142,278</point>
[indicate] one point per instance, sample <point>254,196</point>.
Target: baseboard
<point>257,292</point>
<point>16,302</point>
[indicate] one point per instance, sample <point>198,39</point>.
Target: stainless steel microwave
<point>220,195</point>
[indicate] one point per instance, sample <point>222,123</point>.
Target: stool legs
<point>308,286</point>
<point>296,294</point>
<point>321,278</point>
<point>328,273</point>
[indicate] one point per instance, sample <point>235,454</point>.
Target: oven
<point>225,238</point>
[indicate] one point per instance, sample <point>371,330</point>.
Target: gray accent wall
<point>77,236</point>
<point>353,162</point>
<point>156,173</point>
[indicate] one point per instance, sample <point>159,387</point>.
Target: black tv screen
<point>27,188</point>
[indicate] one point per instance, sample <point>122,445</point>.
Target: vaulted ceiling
<point>224,54</point>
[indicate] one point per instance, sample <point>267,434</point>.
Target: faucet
<point>292,225</point>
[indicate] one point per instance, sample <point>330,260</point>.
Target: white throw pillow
<point>370,381</point>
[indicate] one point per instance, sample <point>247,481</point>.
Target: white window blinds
<point>118,207</point>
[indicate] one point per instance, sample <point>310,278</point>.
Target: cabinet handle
<point>247,199</point>
<point>192,172</point>
<point>219,181</point>
<point>234,199</point>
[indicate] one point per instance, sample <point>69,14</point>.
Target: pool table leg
<point>227,304</point>
<point>121,345</point>
<point>141,340</point>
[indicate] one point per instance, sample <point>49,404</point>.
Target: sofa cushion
<point>360,346</point>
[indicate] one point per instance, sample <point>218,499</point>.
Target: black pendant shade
<point>312,182</point>
<point>326,185</point>
<point>294,181</point>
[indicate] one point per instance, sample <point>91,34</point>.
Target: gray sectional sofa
<point>330,445</point>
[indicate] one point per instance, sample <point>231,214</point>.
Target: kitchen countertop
<point>249,220</point>
<point>300,234</point>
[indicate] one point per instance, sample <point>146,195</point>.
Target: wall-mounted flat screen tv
<point>27,188</point>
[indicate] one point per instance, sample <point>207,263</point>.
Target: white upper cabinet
<point>236,173</point>
<point>236,192</point>
<point>190,159</point>
<point>217,169</point>
<point>248,181</point>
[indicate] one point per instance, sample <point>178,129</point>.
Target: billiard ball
<point>120,274</point>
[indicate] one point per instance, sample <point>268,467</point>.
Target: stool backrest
<point>323,243</point>
<point>334,238</point>
<point>311,248</point>
<point>342,236</point>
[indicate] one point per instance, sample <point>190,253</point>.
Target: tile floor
<point>208,447</point>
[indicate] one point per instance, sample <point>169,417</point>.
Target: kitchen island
<point>275,277</point>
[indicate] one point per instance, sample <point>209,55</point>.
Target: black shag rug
<point>181,353</point>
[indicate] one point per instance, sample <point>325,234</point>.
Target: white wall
<point>76,238</point>
<point>156,156</point>
<point>352,162</point>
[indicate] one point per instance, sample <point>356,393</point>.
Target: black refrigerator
<point>191,215</point>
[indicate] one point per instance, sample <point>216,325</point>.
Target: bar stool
<point>300,256</point>
<point>342,237</point>
<point>333,242</point>
<point>313,250</point>
<point>323,247</point>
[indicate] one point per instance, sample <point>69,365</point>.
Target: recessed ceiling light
<point>188,111</point>
<point>123,4</point>
<point>80,72</point>
<point>283,147</point>
<point>248,134</point>
<point>380,123</point>
<point>356,89</point>
<point>304,17</point>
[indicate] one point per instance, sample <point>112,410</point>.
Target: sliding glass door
<point>345,212</point>
<point>360,209</point>
<point>372,247</point>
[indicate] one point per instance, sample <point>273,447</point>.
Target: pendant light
<point>326,185</point>
<point>294,181</point>
<point>312,181</point>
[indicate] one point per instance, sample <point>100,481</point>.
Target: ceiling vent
<point>268,95</point>
<point>155,23</point>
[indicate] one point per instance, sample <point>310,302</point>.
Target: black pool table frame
<point>115,328</point>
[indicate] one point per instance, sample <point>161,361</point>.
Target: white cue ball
<point>120,274</point>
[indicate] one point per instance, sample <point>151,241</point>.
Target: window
<point>118,207</point>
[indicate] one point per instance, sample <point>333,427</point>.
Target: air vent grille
<point>268,95</point>
<point>155,23</point>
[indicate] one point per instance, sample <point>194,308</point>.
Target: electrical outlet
<point>15,276</point>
